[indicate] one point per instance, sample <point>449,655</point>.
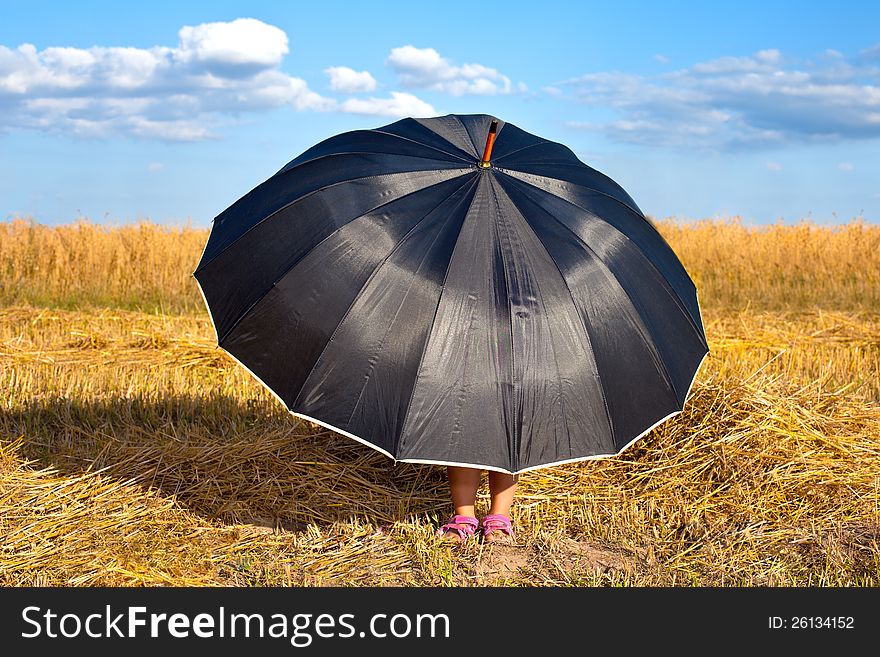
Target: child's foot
<point>459,529</point>
<point>497,528</point>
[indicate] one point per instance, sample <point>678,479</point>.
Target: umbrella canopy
<point>399,287</point>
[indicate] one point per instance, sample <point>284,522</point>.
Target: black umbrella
<point>442,308</point>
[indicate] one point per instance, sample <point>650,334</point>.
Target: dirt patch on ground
<point>502,561</point>
<point>574,555</point>
<point>565,555</point>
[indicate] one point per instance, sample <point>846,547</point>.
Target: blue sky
<point>171,110</point>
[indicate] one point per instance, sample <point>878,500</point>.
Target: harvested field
<point>134,452</point>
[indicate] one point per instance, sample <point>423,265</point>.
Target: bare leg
<point>463,484</point>
<point>502,487</point>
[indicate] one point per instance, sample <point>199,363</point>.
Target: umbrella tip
<point>490,142</point>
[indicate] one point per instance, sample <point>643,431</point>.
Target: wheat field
<point>134,452</point>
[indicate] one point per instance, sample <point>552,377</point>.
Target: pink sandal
<point>497,527</point>
<point>460,528</point>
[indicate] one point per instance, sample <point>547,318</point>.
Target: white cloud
<point>154,167</point>
<point>424,68</point>
<point>872,52</point>
<point>774,166</point>
<point>242,42</point>
<point>663,59</point>
<point>185,93</point>
<point>846,166</point>
<point>347,80</point>
<point>274,88</point>
<point>763,61</point>
<point>398,105</point>
<point>752,101</point>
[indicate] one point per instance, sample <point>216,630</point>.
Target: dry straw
<point>147,266</point>
<point>133,452</point>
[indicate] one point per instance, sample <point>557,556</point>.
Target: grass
<point>147,267</point>
<point>780,267</point>
<point>133,452</point>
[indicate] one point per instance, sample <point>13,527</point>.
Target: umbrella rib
<point>517,428</point>
<point>392,320</point>
<point>474,155</point>
<point>563,180</point>
<point>670,290</point>
<point>285,169</point>
<point>370,278</point>
<point>540,143</point>
<point>468,133</point>
<point>289,268</point>
<point>412,393</point>
<point>269,216</point>
<point>439,150</point>
<point>644,327</point>
<point>577,312</point>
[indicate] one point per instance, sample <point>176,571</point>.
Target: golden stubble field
<point>134,452</point>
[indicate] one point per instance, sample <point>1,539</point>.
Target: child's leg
<point>463,484</point>
<point>502,487</point>
<point>496,525</point>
